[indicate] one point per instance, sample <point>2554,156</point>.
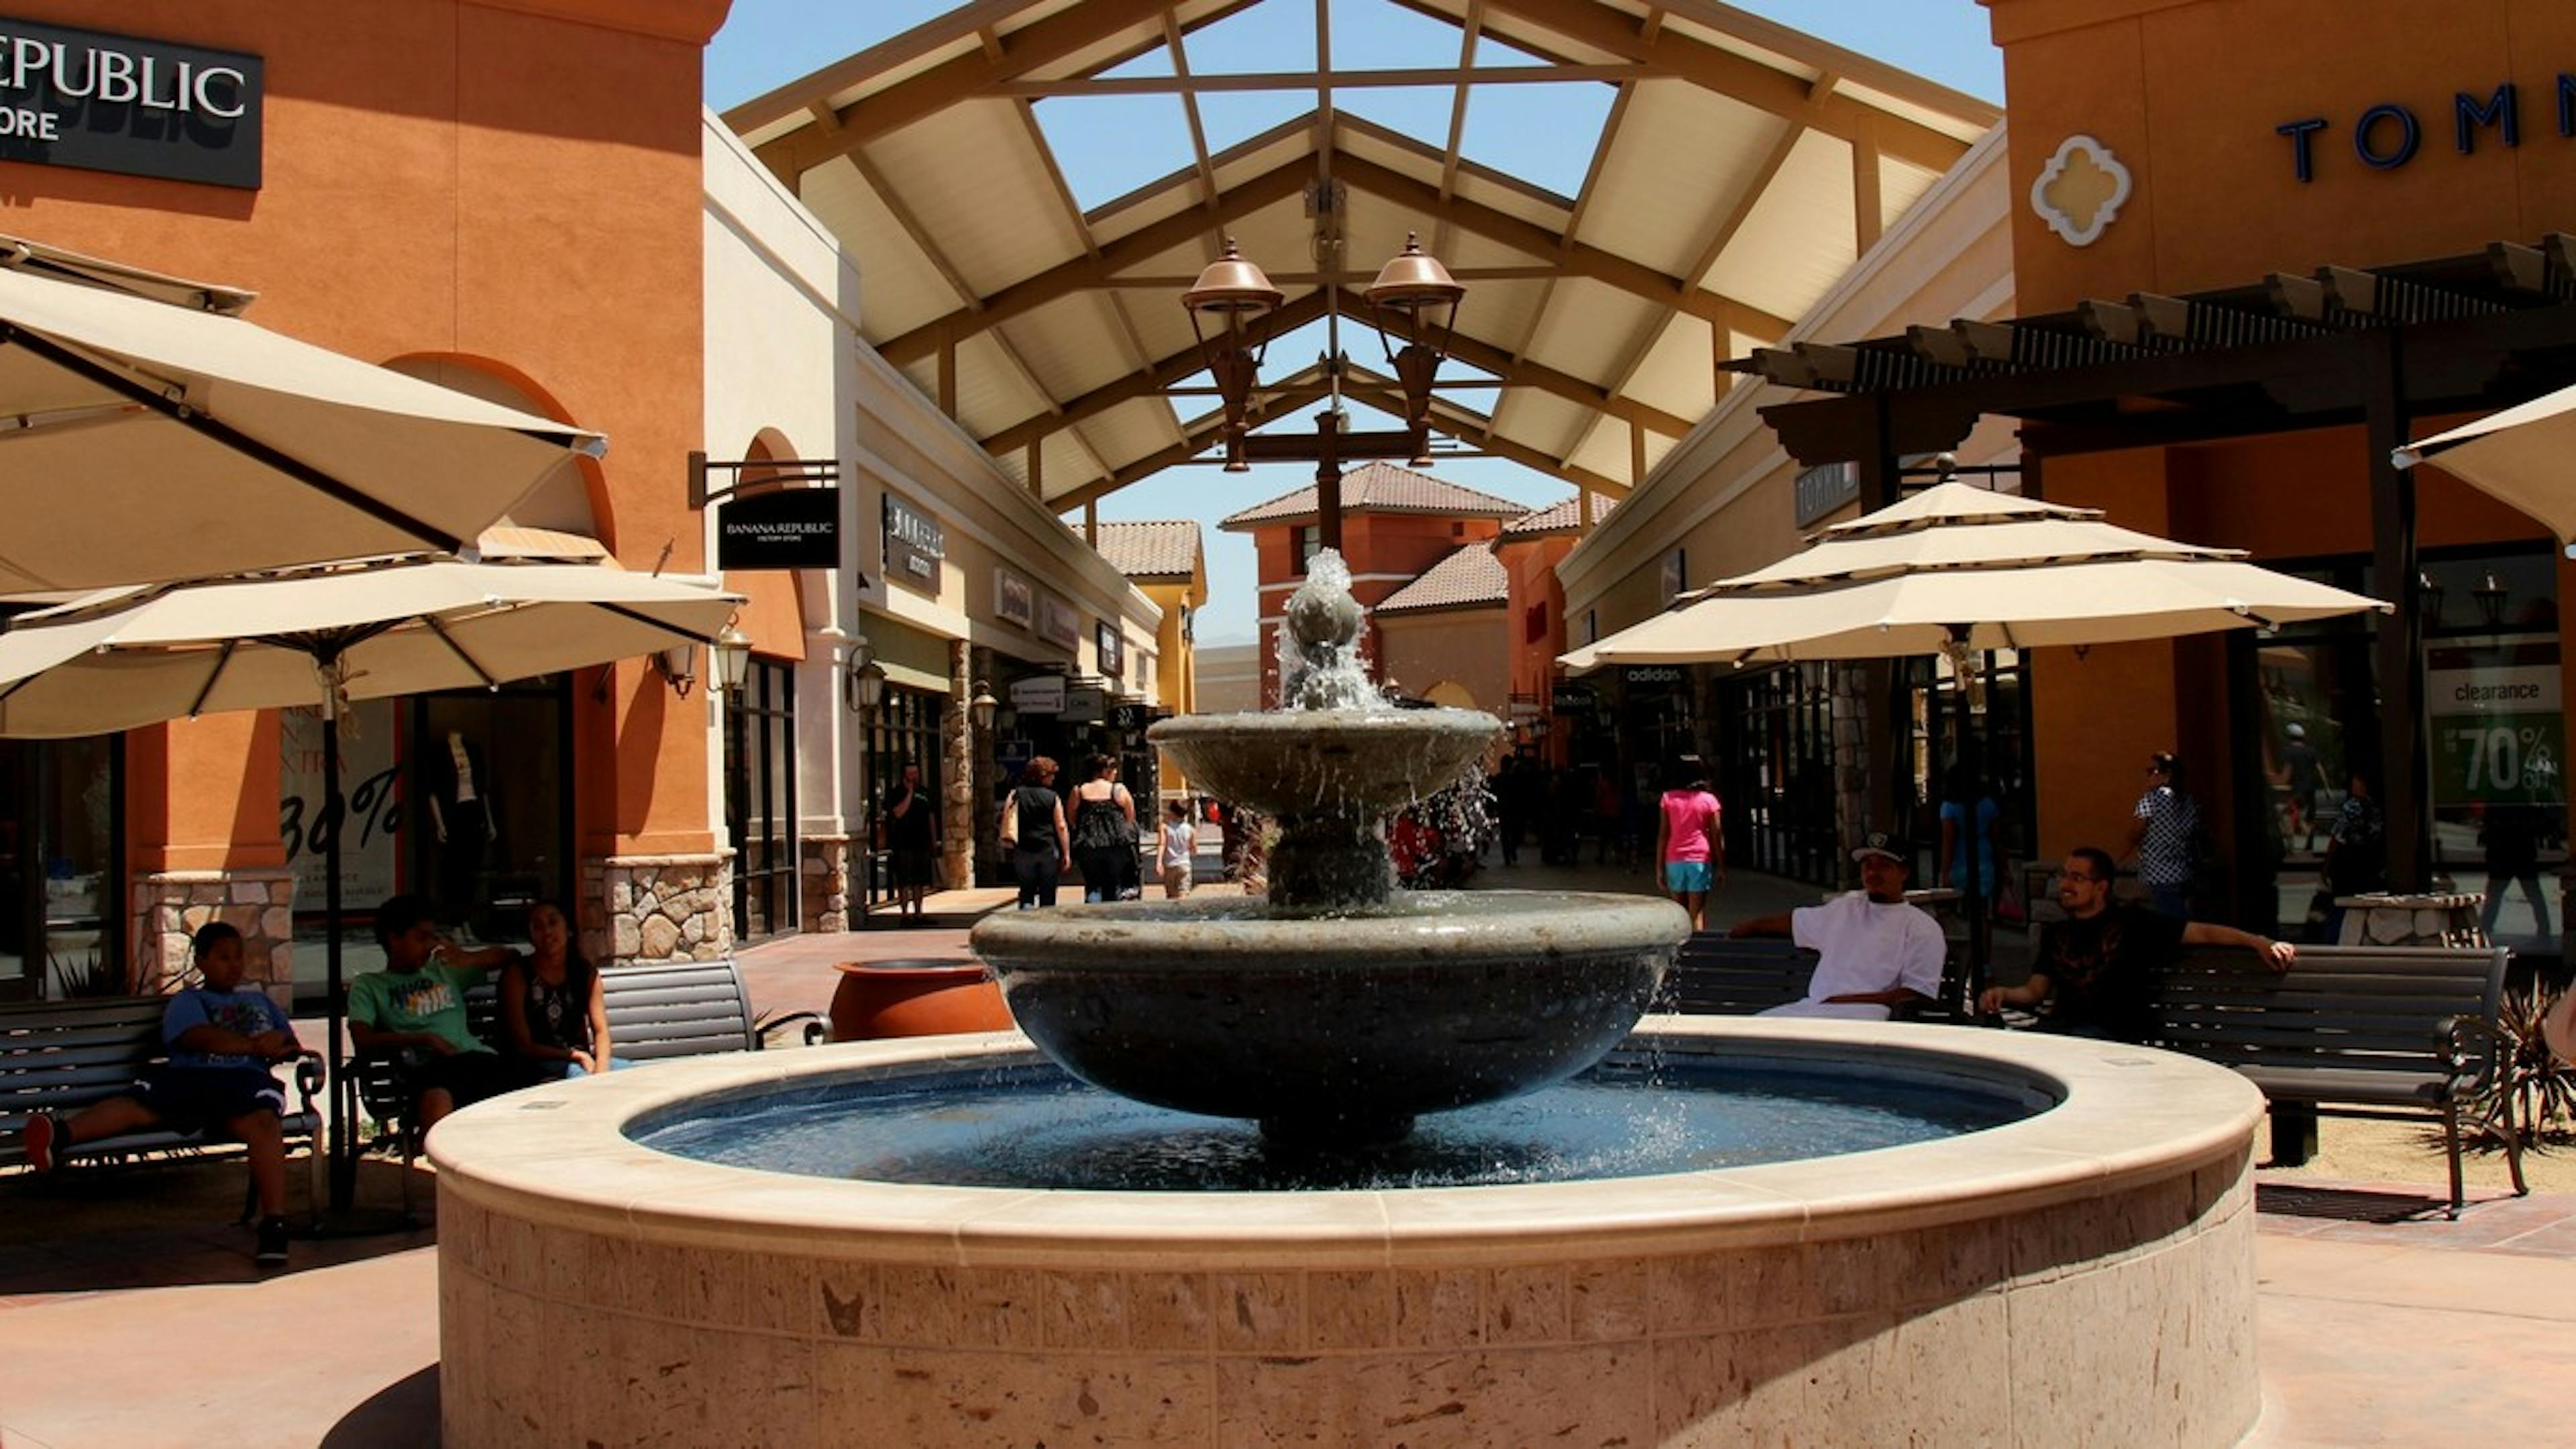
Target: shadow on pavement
<point>401,1415</point>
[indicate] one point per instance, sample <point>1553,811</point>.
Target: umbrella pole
<point>1969,776</point>
<point>344,1093</point>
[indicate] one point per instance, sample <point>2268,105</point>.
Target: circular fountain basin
<point>2081,1276</point>
<point>1335,1029</point>
<point>1360,763</point>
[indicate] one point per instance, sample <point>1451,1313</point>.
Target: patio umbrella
<point>2521,455</point>
<point>1957,570</point>
<point>122,658</point>
<point>148,434</point>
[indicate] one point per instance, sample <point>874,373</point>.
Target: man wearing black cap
<point>1873,951</point>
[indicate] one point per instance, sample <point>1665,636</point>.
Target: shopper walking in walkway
<point>1689,848</point>
<point>1104,831</point>
<point>1033,830</point>
<point>2164,837</point>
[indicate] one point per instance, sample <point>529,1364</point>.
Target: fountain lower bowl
<point>1339,1030</point>
<point>2093,1262</point>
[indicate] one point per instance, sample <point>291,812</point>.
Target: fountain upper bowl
<point>1297,762</point>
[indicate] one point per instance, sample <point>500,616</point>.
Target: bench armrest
<point>308,1076</point>
<point>2472,1047</point>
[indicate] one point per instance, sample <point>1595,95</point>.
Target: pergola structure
<point>2383,347</point>
<point>1742,168</point>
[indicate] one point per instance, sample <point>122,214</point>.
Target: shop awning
<point>151,435</point>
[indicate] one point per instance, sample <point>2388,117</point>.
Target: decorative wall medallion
<point>2080,190</point>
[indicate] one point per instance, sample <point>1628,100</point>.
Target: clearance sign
<point>101,102</point>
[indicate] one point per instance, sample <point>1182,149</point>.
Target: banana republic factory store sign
<point>105,102</point>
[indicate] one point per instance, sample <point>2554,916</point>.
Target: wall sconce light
<point>2429,589</point>
<point>981,708</point>
<point>733,660</point>
<point>678,666</point>
<point>863,687</point>
<point>2490,596</point>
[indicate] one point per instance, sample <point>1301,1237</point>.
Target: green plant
<point>88,974</point>
<point>2533,1091</point>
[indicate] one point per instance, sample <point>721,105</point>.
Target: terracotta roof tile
<point>1469,578</point>
<point>1167,548</point>
<point>1379,488</point>
<point>1558,517</point>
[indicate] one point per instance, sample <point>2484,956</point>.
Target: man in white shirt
<point>1873,951</point>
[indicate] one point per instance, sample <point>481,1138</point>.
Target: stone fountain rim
<point>1443,719</point>
<point>2126,1116</point>
<point>1586,923</point>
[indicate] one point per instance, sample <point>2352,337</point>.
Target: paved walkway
<point>130,1315</point>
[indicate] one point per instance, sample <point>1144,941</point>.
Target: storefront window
<point>61,808</point>
<point>2001,752</point>
<point>1776,765</point>
<point>760,802</point>
<point>904,729</point>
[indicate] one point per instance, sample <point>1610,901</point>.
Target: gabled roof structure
<point>1377,488</point>
<point>1563,516</point>
<point>1740,171</point>
<point>1471,578</point>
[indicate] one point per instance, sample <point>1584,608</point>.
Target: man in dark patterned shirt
<point>2094,967</point>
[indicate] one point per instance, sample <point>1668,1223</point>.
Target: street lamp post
<point>1413,300</point>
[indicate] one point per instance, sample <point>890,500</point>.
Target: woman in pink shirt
<point>1687,839</point>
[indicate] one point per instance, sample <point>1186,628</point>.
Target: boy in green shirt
<point>414,1009</point>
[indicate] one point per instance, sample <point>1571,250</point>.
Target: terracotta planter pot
<point>919,997</point>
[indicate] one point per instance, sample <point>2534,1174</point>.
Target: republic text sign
<point>102,102</point>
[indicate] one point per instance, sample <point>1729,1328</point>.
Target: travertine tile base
<point>2081,1278</point>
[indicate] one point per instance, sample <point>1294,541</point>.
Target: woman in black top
<point>1039,840</point>
<point>553,1014</point>
<point>1104,832</point>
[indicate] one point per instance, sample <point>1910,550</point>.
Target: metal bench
<point>655,1013</point>
<point>1715,974</point>
<point>62,1056</point>
<point>2381,1033</point>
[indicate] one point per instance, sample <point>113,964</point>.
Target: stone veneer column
<point>170,905</point>
<point>823,881</point>
<point>1850,693</point>
<point>958,817</point>
<point>648,910</point>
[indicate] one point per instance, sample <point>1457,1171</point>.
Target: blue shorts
<point>1694,876</point>
<point>197,1099</point>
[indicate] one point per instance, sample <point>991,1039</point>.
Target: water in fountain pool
<point>1033,1126</point>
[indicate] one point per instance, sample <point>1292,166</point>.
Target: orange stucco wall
<point>2188,93</point>
<point>1385,552</point>
<point>511,182</point>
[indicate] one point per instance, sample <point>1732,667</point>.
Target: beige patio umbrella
<point>1959,568</point>
<point>127,657</point>
<point>2524,455</point>
<point>146,433</point>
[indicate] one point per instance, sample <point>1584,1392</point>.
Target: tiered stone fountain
<point>1969,1237</point>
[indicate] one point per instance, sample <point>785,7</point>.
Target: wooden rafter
<point>1669,53</point>
<point>1083,272</point>
<point>1457,424</point>
<point>1029,48</point>
<point>1286,80</point>
<point>1152,379</point>
<point>1470,26</point>
<point>1523,372</point>
<point>1579,258</point>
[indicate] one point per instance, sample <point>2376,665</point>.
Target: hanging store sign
<point>791,528</point>
<point>1038,694</point>
<point>2499,732</point>
<point>914,545</point>
<point>1086,704</point>
<point>103,102</point>
<point>1058,624</point>
<point>1652,676</point>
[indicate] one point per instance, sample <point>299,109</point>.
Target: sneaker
<point>38,1140</point>
<point>272,1242</point>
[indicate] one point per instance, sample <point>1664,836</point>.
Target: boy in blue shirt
<point>222,1039</point>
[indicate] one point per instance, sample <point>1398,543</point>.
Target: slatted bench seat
<point>655,1013</point>
<point>62,1056</point>
<point>2373,1032</point>
<point>1715,974</point>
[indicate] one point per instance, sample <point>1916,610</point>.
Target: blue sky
<point>1545,138</point>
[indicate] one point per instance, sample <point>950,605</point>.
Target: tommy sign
<point>103,102</point>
